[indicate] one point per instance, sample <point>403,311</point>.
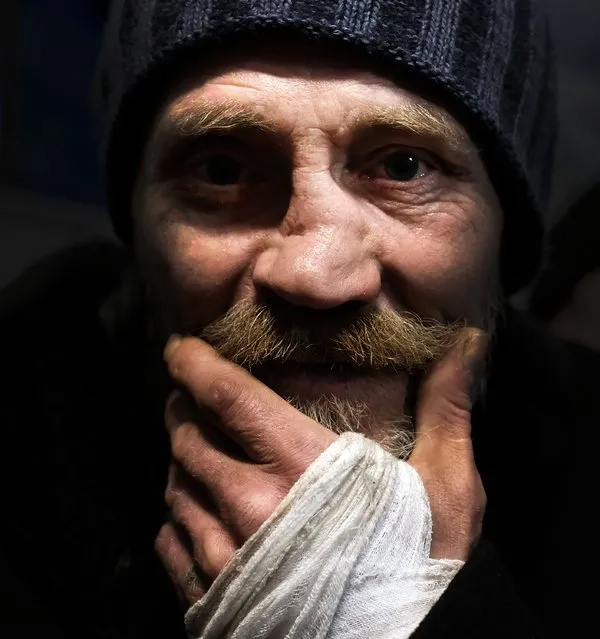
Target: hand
<point>443,453</point>
<point>237,459</point>
<point>237,450</point>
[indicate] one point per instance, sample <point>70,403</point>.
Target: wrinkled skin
<point>323,215</point>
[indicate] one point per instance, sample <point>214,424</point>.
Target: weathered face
<point>322,193</point>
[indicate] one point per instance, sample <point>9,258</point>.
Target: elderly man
<point>325,206</point>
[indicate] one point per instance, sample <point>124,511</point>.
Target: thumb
<point>445,399</point>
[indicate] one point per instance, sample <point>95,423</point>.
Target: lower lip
<point>319,380</point>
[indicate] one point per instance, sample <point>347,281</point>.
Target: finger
<point>444,403</point>
<point>228,481</point>
<point>443,452</point>
<point>212,544</point>
<point>179,564</point>
<point>262,423</point>
<point>183,417</point>
<point>198,450</point>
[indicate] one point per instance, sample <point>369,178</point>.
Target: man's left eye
<point>400,166</point>
<point>404,167</point>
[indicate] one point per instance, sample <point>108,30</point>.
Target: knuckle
<point>176,503</point>
<point>170,497</point>
<point>182,441</point>
<point>214,551</point>
<point>236,405</point>
<point>456,415</point>
<point>163,540</point>
<point>282,474</point>
<point>226,395</point>
<point>258,508</point>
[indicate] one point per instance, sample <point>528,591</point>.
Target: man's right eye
<point>222,170</point>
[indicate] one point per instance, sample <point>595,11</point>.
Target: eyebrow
<point>416,120</point>
<point>204,117</point>
<point>420,121</point>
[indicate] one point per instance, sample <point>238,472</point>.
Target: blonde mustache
<point>250,334</point>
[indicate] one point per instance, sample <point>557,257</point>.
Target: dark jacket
<point>84,457</point>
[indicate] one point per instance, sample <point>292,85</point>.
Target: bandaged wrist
<point>346,554</point>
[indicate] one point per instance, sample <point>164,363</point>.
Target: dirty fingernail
<point>476,350</point>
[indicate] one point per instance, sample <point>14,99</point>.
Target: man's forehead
<point>278,97</point>
<point>266,84</point>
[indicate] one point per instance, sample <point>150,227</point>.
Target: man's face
<point>316,200</point>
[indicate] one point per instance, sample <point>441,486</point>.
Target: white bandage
<point>346,554</point>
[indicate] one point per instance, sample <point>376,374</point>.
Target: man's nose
<point>322,256</point>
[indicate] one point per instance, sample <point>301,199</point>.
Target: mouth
<point>315,380</point>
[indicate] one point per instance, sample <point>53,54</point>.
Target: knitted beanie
<point>489,62</point>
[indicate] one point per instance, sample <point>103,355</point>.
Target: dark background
<point>50,181</point>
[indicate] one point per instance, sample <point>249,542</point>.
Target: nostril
<point>319,272</point>
<point>293,312</point>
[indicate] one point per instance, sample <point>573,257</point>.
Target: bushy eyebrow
<point>204,117</point>
<point>417,121</point>
<point>420,121</point>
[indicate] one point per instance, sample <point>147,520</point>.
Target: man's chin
<point>374,403</point>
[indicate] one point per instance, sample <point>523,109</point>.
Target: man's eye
<point>402,166</point>
<point>222,170</point>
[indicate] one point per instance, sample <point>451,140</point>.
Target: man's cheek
<point>460,283</point>
<point>443,280</point>
<point>205,276</point>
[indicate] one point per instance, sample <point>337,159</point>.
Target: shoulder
<point>55,373</point>
<point>540,403</point>
<point>536,449</point>
<point>55,364</point>
<point>68,471</point>
<point>534,365</point>
<point>72,280</point>
<point>50,323</point>
<point>542,392</point>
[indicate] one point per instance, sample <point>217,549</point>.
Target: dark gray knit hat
<point>488,62</point>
